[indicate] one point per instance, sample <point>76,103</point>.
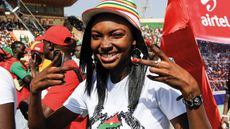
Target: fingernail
<point>148,43</point>
<point>135,60</point>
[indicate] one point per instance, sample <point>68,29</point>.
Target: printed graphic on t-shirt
<point>115,121</point>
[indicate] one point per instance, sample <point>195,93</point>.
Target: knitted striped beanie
<point>124,8</point>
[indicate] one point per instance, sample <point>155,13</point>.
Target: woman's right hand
<point>50,76</point>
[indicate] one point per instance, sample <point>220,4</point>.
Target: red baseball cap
<point>56,34</point>
<point>37,47</point>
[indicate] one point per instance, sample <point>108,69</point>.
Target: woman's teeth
<point>108,55</point>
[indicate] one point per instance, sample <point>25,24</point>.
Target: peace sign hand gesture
<point>50,76</point>
<point>170,73</point>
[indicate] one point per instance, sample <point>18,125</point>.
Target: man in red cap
<point>59,39</point>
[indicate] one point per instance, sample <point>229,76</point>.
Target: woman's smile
<point>108,57</point>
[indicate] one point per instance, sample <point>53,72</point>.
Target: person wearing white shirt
<point>7,100</point>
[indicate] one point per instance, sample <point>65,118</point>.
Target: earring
<point>93,59</point>
<point>136,53</point>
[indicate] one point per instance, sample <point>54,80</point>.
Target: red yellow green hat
<point>124,8</point>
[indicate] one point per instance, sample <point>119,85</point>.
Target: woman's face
<point>111,41</point>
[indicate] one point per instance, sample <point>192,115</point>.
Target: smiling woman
<point>120,90</point>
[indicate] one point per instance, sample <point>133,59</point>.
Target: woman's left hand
<point>169,72</point>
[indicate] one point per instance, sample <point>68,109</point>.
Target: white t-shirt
<point>157,105</point>
<point>7,88</point>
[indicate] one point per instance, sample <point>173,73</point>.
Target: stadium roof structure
<point>61,3</point>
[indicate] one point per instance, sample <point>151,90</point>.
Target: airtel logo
<point>209,7</point>
<point>213,20</point>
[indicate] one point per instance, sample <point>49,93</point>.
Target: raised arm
<point>49,77</point>
<point>177,77</point>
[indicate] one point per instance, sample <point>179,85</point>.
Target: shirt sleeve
<point>76,101</point>
<point>18,70</point>
<point>167,102</point>
<point>7,90</point>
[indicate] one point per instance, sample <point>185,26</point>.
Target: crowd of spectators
<point>152,35</point>
<point>7,26</point>
<point>6,38</point>
<point>217,58</point>
<point>10,25</point>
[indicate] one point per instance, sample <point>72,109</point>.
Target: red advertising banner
<point>197,34</point>
<point>210,19</point>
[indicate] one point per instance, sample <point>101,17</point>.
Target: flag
<point>179,42</point>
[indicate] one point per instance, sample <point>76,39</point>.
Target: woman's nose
<point>106,44</point>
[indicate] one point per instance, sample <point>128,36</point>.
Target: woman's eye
<point>95,36</point>
<point>117,35</point>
